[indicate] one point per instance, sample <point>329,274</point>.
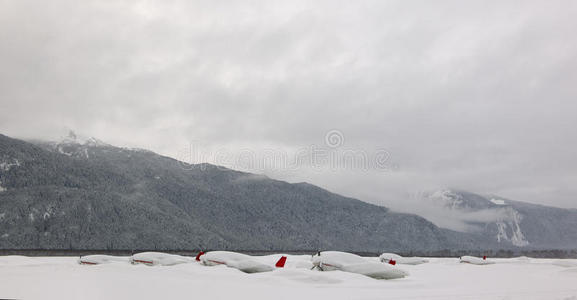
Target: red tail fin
<point>280,263</point>
<point>392,262</point>
<point>198,255</point>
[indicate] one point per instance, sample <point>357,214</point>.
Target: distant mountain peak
<point>497,201</point>
<point>461,200</point>
<point>73,144</point>
<point>491,215</point>
<point>447,198</point>
<point>73,138</point>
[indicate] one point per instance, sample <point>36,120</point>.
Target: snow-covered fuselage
<point>98,259</point>
<point>158,258</point>
<point>475,260</point>
<point>348,262</point>
<point>243,262</point>
<point>388,257</point>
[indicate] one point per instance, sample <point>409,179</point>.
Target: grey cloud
<point>478,95</point>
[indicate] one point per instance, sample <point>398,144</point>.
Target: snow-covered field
<point>441,278</point>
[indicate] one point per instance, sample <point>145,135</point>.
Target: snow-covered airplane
<point>348,262</point>
<point>393,259</point>
<point>98,259</point>
<point>475,260</point>
<point>243,262</point>
<point>158,258</point>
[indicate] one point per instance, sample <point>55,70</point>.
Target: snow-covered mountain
<point>83,193</point>
<point>73,144</point>
<point>509,222</point>
<point>91,195</point>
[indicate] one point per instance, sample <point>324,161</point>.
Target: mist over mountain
<point>85,194</point>
<point>507,221</point>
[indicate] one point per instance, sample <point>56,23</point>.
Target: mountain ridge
<point>95,195</point>
<point>105,199</point>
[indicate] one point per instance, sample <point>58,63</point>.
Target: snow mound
<point>158,258</point>
<point>348,262</point>
<point>475,260</point>
<point>387,257</point>
<point>242,262</point>
<point>101,259</point>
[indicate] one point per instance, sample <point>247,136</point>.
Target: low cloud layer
<point>474,95</point>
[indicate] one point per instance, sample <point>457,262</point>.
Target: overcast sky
<point>475,95</point>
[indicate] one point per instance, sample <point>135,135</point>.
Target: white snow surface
<point>441,278</point>
<point>567,263</point>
